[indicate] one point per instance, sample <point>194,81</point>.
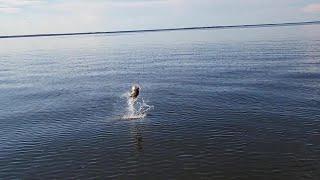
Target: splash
<point>136,108</point>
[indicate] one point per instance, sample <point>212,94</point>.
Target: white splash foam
<point>136,108</point>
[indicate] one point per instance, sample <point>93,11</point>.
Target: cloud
<point>98,4</point>
<point>312,8</point>
<point>18,2</point>
<point>14,6</point>
<point>140,3</point>
<point>8,10</point>
<point>54,16</point>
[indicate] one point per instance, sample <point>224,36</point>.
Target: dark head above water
<point>134,91</point>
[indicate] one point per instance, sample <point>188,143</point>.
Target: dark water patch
<point>303,75</point>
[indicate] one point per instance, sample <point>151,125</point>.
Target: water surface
<point>228,104</point>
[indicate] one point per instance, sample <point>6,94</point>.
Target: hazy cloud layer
<point>14,6</point>
<point>312,8</point>
<point>53,16</point>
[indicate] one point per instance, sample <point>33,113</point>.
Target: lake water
<point>227,104</point>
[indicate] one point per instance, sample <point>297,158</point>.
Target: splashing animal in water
<point>134,92</point>
<point>136,108</point>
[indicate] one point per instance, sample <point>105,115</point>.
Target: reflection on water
<point>137,135</point>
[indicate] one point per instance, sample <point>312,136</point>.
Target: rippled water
<point>228,104</point>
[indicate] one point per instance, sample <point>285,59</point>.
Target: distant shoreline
<point>166,29</point>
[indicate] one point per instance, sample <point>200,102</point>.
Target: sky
<point>57,16</point>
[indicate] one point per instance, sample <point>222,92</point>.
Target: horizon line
<point>166,29</point>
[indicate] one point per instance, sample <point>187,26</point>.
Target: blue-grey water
<point>228,104</point>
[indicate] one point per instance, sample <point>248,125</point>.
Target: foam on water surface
<point>136,108</point>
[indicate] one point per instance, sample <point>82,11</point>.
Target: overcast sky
<point>56,16</point>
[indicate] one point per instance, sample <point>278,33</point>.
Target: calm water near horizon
<point>228,104</point>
